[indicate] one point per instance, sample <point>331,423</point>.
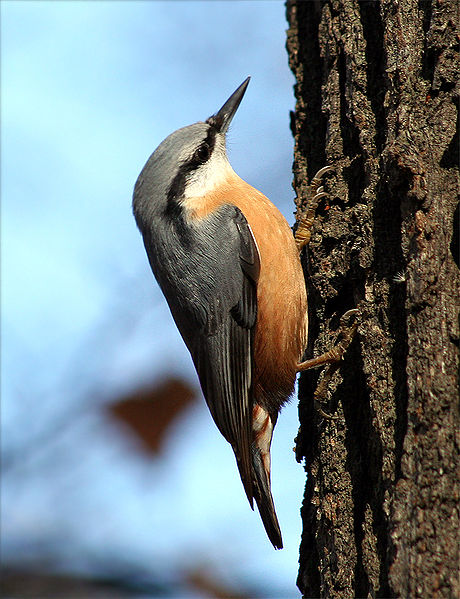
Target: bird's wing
<point>222,350</point>
<point>208,271</point>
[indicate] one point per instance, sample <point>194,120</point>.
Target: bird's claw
<point>332,358</point>
<point>316,181</point>
<point>335,354</point>
<point>324,414</point>
<point>347,315</point>
<point>305,221</point>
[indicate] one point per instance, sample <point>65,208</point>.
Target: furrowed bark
<point>377,98</point>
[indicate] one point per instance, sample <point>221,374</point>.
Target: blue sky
<point>89,89</point>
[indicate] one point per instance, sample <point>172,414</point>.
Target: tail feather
<point>264,500</point>
<point>258,485</point>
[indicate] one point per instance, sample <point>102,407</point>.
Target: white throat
<point>211,174</point>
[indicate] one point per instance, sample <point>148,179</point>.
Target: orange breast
<point>281,330</point>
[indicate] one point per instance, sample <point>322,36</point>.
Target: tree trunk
<point>376,99</point>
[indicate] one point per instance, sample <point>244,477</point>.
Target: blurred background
<point>115,481</point>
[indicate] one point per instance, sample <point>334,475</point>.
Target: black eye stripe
<point>204,150</point>
<point>178,184</point>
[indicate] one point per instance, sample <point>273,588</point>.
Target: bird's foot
<point>332,358</point>
<point>334,355</point>
<point>307,217</point>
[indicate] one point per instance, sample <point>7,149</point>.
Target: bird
<point>229,267</point>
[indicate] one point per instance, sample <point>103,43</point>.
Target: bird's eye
<point>202,154</point>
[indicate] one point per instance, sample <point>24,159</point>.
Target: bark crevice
<point>375,67</point>
<point>376,99</point>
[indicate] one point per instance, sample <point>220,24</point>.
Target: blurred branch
<point>23,583</point>
<point>202,580</point>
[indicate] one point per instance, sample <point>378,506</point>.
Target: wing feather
<point>224,359</point>
<point>210,283</point>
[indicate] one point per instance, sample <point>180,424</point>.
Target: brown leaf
<point>149,412</point>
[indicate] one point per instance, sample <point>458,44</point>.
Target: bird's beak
<point>223,118</point>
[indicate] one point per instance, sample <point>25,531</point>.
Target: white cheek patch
<point>209,175</point>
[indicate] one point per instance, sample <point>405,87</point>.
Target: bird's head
<point>190,162</point>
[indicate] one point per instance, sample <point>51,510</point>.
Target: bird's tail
<point>257,484</point>
<point>264,499</point>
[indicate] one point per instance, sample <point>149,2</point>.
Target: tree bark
<point>377,99</point>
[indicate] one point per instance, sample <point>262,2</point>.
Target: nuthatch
<point>228,265</point>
